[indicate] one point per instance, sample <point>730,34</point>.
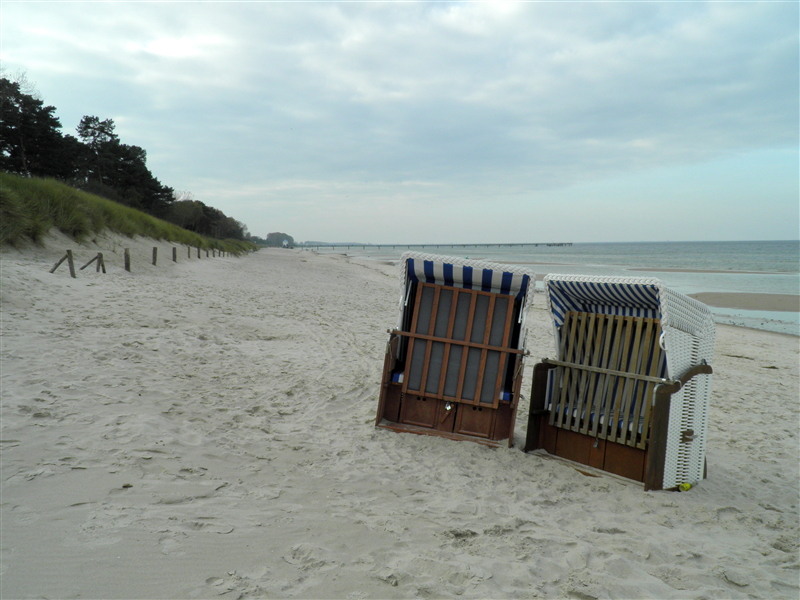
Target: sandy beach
<point>205,429</point>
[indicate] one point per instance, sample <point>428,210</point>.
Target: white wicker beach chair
<point>453,364</point>
<point>628,391</point>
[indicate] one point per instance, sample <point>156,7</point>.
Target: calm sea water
<point>771,267</point>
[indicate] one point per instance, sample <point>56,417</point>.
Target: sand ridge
<point>206,429</point>
<point>750,301</point>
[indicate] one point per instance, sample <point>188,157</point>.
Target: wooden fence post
<point>128,260</point>
<point>90,262</point>
<point>58,264</point>
<point>155,255</point>
<point>67,257</point>
<point>198,252</point>
<point>206,252</point>
<point>101,264</point>
<point>71,264</point>
<point>188,252</point>
<point>174,254</point>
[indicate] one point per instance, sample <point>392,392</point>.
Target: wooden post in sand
<point>67,257</point>
<point>206,252</point>
<point>198,252</point>
<point>71,264</point>
<point>188,252</point>
<point>155,255</point>
<point>174,254</point>
<point>100,263</point>
<point>128,260</point>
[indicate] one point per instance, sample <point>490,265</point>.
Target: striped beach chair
<point>628,391</point>
<point>453,364</point>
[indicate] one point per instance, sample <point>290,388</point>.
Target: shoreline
<point>750,301</point>
<point>746,301</point>
<point>665,270</point>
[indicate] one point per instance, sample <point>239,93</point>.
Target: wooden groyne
<point>333,246</point>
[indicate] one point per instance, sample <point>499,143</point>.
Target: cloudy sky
<point>442,121</point>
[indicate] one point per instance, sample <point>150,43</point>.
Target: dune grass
<point>30,207</point>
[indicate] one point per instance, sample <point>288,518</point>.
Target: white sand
<point>207,429</point>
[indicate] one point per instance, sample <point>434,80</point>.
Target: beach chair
<point>628,391</point>
<point>453,364</point>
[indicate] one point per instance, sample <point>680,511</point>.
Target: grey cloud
<point>511,97</point>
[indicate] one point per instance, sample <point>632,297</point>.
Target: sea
<point>767,267</point>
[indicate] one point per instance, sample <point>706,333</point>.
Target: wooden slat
<point>423,384</point>
<point>655,369</point>
<point>625,348</point>
<point>413,327</point>
<point>641,388</point>
<point>568,344</point>
<point>616,328</point>
<point>604,378</point>
<point>609,371</point>
<point>634,361</point>
<point>587,377</point>
<point>651,388</point>
<point>446,356</point>
<point>433,338</point>
<point>592,403</point>
<point>561,376</point>
<point>487,332</point>
<point>577,384</point>
<point>464,354</point>
<point>502,363</point>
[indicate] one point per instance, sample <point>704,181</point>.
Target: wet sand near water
<point>656,270</point>
<point>749,301</point>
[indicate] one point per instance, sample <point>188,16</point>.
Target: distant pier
<point>333,246</point>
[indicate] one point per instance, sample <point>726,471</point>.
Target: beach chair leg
<point>537,409</point>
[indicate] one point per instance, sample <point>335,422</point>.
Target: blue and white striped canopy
<point>603,295</point>
<point>464,273</point>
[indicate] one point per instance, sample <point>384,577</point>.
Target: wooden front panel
<point>548,435</point>
<point>420,411</point>
<point>447,414</point>
<point>504,423</point>
<point>461,348</point>
<point>625,461</point>
<point>391,403</point>
<point>475,420</point>
<point>597,454</point>
<point>601,454</point>
<point>573,446</point>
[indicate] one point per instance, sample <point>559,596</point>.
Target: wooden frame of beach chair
<point>628,392</point>
<point>453,364</point>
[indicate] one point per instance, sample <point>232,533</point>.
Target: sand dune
<point>206,428</point>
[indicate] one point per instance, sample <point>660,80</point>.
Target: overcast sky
<point>446,121</point>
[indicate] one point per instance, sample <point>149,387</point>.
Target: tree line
<point>96,161</point>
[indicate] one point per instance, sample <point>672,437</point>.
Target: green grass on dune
<point>30,207</point>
